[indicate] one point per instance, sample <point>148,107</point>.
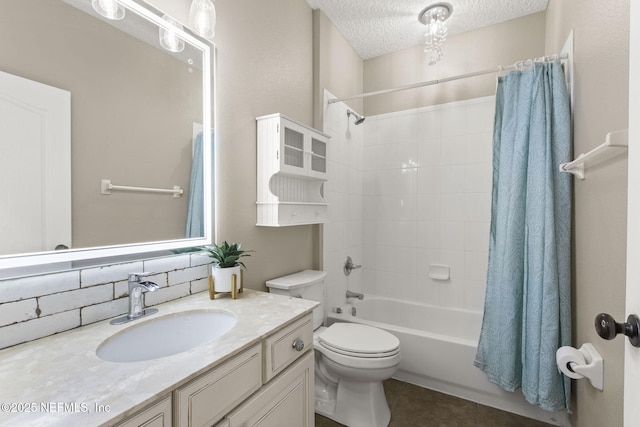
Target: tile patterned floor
<point>413,406</point>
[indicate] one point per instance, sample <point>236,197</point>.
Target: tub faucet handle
<point>349,266</point>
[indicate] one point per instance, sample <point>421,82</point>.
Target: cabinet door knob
<point>298,344</point>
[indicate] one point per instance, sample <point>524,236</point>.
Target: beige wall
<point>601,50</point>
<point>121,112</point>
<point>485,48</point>
<point>264,66</point>
<point>337,67</point>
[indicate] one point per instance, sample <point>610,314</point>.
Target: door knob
<point>608,328</point>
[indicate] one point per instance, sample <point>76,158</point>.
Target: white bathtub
<point>438,346</point>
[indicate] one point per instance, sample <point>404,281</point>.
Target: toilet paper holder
<point>593,369</point>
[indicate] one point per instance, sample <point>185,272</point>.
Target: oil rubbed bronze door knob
<point>608,328</point>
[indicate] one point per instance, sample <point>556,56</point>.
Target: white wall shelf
<point>291,171</point>
<point>615,144</point>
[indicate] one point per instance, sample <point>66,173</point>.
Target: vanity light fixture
<point>202,17</point>
<point>434,18</point>
<point>110,9</point>
<point>169,38</point>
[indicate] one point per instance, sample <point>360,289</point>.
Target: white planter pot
<point>222,278</point>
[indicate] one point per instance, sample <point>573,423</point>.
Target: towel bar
<point>107,187</point>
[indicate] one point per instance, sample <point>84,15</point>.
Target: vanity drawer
<point>279,349</point>
<point>205,400</point>
<point>157,415</point>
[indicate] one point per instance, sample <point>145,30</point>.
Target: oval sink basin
<point>165,336</point>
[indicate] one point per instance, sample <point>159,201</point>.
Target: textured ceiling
<point>378,27</point>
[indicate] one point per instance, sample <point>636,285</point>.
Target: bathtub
<point>438,346</point>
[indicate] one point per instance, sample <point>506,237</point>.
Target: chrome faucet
<point>136,288</point>
<point>355,295</point>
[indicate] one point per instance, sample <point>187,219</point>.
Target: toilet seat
<point>356,340</point>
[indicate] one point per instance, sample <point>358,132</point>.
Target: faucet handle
<point>137,277</point>
<point>349,266</point>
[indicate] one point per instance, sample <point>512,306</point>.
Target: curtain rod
<point>517,65</point>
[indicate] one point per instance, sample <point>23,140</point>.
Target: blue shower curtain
<point>527,311</point>
<point>195,213</point>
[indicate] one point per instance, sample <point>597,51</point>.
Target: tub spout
<point>355,295</point>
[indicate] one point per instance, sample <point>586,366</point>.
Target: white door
<point>632,354</point>
<point>35,166</point>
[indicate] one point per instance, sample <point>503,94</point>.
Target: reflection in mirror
<point>83,100</point>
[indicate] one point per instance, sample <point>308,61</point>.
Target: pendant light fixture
<point>434,18</point>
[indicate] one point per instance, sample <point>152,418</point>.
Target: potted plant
<point>226,263</point>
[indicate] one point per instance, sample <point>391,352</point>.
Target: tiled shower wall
<point>342,235</point>
<point>38,306</point>
<point>422,188</point>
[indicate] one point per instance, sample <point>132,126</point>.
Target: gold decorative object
<point>235,290</point>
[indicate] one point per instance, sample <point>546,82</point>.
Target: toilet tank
<point>307,284</point>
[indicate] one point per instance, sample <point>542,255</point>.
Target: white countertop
<point>59,380</point>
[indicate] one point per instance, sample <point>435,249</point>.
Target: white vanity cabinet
<point>288,400</point>
<point>158,414</point>
<point>205,400</point>
<point>269,384</point>
<point>291,171</point>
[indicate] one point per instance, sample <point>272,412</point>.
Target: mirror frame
<point>208,110</point>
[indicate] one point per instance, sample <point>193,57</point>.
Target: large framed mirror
<point>105,132</point>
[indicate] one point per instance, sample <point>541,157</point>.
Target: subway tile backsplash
<point>65,301</point>
<point>19,289</point>
<point>38,306</point>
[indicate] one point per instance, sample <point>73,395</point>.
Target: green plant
<point>226,255</point>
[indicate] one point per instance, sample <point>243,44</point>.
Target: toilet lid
<point>359,340</point>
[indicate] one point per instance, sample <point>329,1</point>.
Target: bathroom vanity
<point>261,371</point>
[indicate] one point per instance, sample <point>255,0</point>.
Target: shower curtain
<point>527,311</point>
<point>195,213</point>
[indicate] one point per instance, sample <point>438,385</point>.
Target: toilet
<point>351,360</point>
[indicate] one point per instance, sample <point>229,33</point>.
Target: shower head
<point>359,118</point>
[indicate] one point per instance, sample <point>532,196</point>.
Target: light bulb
<point>169,38</point>
<point>202,17</point>
<point>108,8</point>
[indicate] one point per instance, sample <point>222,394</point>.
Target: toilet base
<point>354,404</point>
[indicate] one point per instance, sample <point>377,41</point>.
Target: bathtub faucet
<point>355,295</point>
